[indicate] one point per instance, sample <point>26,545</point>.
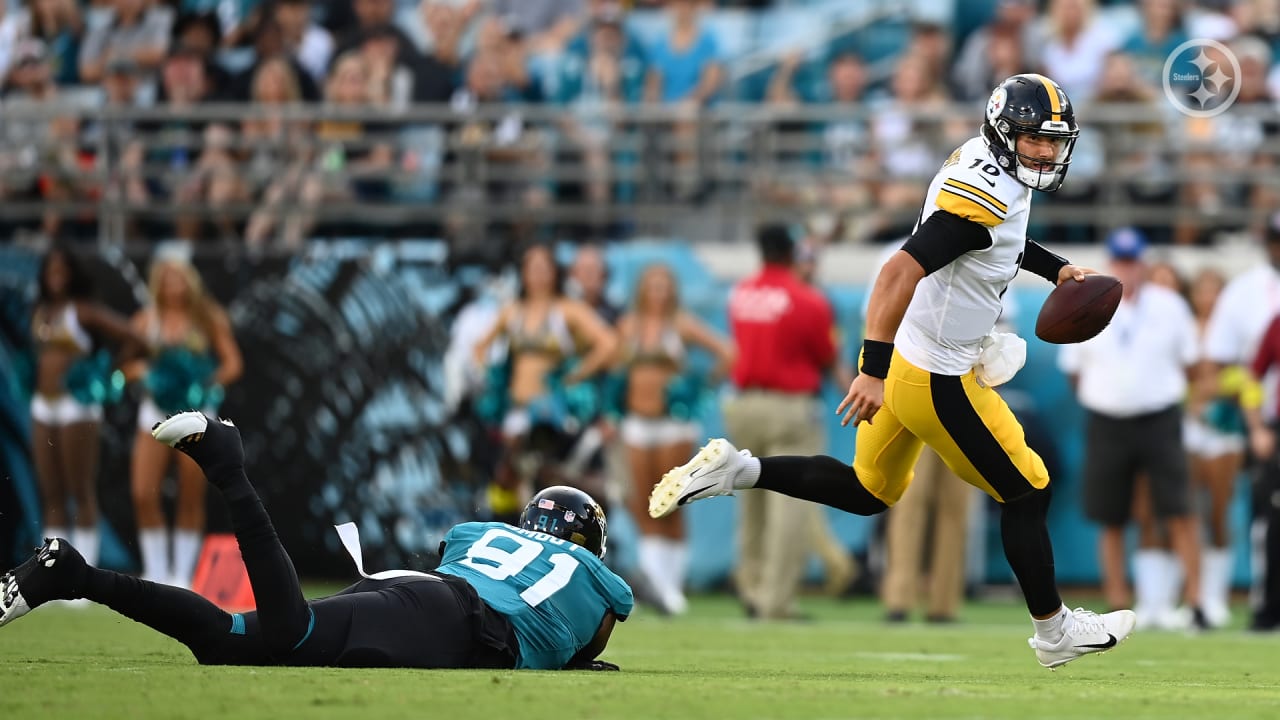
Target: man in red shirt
<point>785,337</point>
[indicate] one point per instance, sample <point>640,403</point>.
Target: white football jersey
<point>958,305</point>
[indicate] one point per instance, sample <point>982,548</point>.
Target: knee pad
<point>871,477</point>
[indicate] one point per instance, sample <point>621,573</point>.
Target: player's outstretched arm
<point>891,295</point>
<point>585,659</point>
<point>889,300</point>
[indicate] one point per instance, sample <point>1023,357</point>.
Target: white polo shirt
<point>1244,310</point>
<point>1138,364</point>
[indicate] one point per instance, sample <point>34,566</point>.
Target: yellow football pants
<point>970,427</point>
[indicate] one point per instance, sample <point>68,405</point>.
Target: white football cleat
<point>12,604</point>
<point>212,444</point>
<point>177,428</point>
<point>708,474</point>
<point>1084,632</point>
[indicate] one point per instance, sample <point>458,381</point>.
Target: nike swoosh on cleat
<point>1110,643</point>
<point>684,499</point>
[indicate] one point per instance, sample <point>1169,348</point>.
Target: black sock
<point>181,614</point>
<point>820,479</point>
<point>1029,551</point>
<point>285,617</point>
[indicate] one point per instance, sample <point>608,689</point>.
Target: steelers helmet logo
<point>996,103</point>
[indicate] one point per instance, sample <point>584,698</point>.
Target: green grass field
<point>91,663</point>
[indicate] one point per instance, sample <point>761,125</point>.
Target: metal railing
<point>648,169</point>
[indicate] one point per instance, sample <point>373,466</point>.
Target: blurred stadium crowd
<point>272,121</point>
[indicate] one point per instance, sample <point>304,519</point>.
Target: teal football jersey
<point>553,592</point>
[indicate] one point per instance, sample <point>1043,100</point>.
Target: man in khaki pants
<point>785,335</point>
<point>932,515</point>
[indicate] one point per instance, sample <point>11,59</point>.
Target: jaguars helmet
<point>1031,104</point>
<point>569,514</point>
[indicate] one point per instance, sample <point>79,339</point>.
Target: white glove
<point>1003,355</point>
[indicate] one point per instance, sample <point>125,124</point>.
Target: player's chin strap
<point>350,536</point>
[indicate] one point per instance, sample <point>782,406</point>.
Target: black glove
<point>598,665</point>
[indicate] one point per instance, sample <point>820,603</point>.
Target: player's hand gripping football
<point>1074,272</point>
<point>866,395</point>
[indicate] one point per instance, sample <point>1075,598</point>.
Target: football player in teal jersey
<point>535,596</point>
<point>545,577</point>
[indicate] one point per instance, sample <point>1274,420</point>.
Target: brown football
<point>1077,311</point>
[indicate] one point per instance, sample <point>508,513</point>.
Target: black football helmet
<point>569,514</point>
<point>1031,104</point>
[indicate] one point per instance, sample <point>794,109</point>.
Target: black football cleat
<point>50,574</point>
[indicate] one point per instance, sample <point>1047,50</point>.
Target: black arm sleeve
<point>1038,260</point>
<point>943,238</point>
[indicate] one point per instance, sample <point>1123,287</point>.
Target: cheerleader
<point>73,379</point>
<point>192,355</point>
<point>1215,440</point>
<point>659,428</point>
<point>554,343</point>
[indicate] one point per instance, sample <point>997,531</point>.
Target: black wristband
<point>876,356</point>
<point>1038,260</point>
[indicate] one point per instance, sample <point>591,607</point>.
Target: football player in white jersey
<point>930,360</point>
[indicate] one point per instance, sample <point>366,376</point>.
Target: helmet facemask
<point>1035,173</point>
